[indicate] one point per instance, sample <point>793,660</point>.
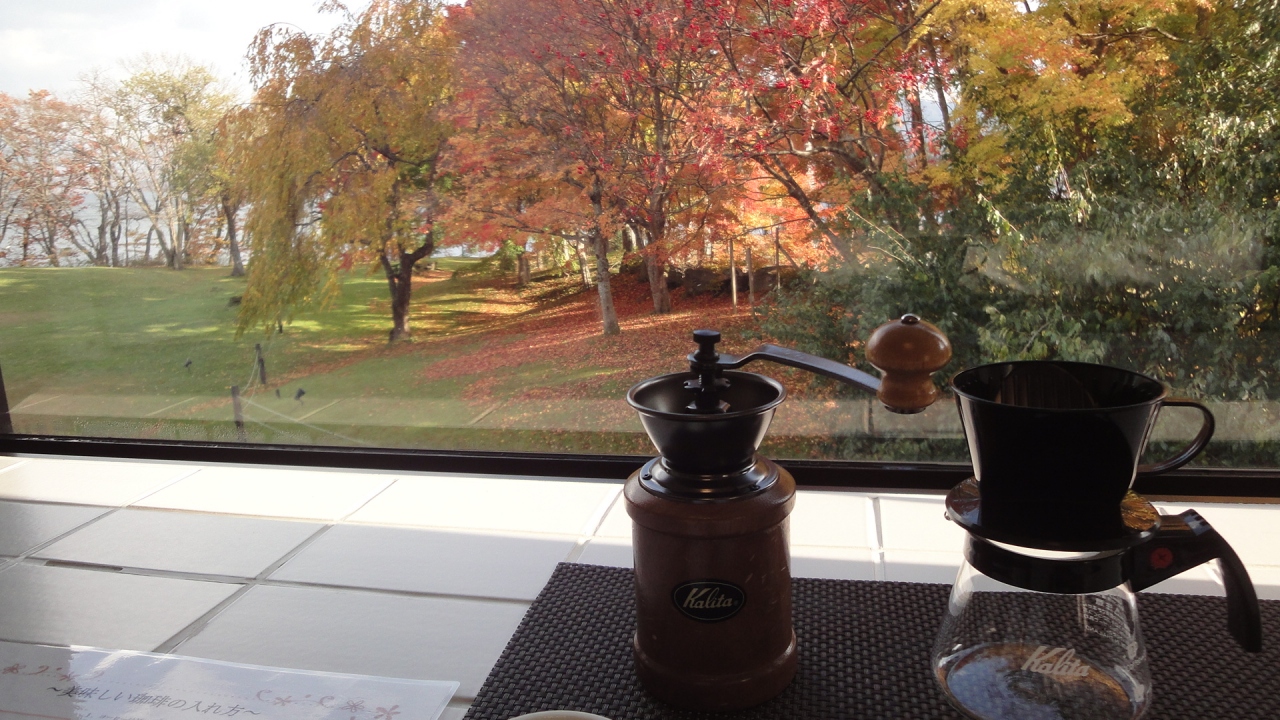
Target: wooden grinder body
<point>690,556</point>
<point>713,571</point>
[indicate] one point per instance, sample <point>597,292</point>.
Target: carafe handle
<point>1188,540</point>
<point>1189,452</point>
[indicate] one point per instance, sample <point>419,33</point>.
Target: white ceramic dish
<point>560,715</point>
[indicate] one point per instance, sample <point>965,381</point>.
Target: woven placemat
<point>864,654</point>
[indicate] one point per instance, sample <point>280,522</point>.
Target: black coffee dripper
<point>1055,449</point>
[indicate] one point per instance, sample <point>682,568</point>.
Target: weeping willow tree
<point>342,163</point>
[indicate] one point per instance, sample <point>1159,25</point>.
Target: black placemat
<point>864,654</point>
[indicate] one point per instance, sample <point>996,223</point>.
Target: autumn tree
<point>1109,193</point>
<point>42,176</point>
<point>655,63</point>
<point>10,188</point>
<point>539,145</point>
<point>164,116</point>
<point>344,160</point>
<point>621,86</point>
<point>823,98</point>
<point>108,176</point>
<point>228,184</point>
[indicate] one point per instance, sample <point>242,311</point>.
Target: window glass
<point>424,225</point>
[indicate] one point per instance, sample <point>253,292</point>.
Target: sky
<point>50,44</point>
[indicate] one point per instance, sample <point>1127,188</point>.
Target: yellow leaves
<point>1067,67</point>
<point>347,136</point>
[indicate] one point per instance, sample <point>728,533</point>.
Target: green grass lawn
<point>104,351</point>
<point>126,331</point>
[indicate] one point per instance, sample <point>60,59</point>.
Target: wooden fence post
<point>241,435</point>
<point>262,363</point>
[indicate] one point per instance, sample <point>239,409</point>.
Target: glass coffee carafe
<point>1005,652</point>
<point>1042,622</point>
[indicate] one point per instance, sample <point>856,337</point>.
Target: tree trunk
<point>115,232</point>
<point>233,244</point>
<point>180,239</point>
<point>656,267</point>
<point>608,313</point>
<point>50,249</point>
<point>628,239</point>
<point>100,252</point>
<point>523,271</point>
<point>400,283</point>
<point>657,270</point>
<point>401,286</point>
<point>733,275</point>
<point>166,248</point>
<point>917,123</point>
<point>583,267</point>
<point>939,84</point>
<point>637,235</point>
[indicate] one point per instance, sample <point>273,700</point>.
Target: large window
<point>412,225</point>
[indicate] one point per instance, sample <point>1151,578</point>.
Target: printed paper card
<point>81,683</point>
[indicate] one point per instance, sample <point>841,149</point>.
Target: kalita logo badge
<point>709,600</point>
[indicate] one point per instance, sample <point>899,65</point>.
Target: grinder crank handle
<point>907,351</point>
<point>1185,541</point>
<point>804,361</point>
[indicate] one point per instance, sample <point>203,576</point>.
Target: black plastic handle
<point>804,361</point>
<point>1188,540</point>
<point>1189,452</point>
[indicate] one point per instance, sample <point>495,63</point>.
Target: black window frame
<point>1211,484</point>
<point>1206,484</point>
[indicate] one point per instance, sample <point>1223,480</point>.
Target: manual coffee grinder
<point>1042,620</point>
<point>712,566</point>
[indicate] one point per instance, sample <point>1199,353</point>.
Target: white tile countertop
<point>413,575</point>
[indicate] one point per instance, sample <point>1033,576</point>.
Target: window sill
<point>399,574</point>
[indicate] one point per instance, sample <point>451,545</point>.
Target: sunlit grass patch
<point>478,342</point>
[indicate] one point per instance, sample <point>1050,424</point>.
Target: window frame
<point>1211,484</point>
<point>1207,484</point>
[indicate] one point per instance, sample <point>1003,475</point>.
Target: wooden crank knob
<point>907,352</point>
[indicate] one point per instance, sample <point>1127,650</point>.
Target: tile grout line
<point>165,486</point>
<point>140,571</point>
<point>199,624</point>
<point>365,504</point>
<point>111,510</point>
<point>20,462</point>
<point>877,539</point>
<point>299,584</point>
